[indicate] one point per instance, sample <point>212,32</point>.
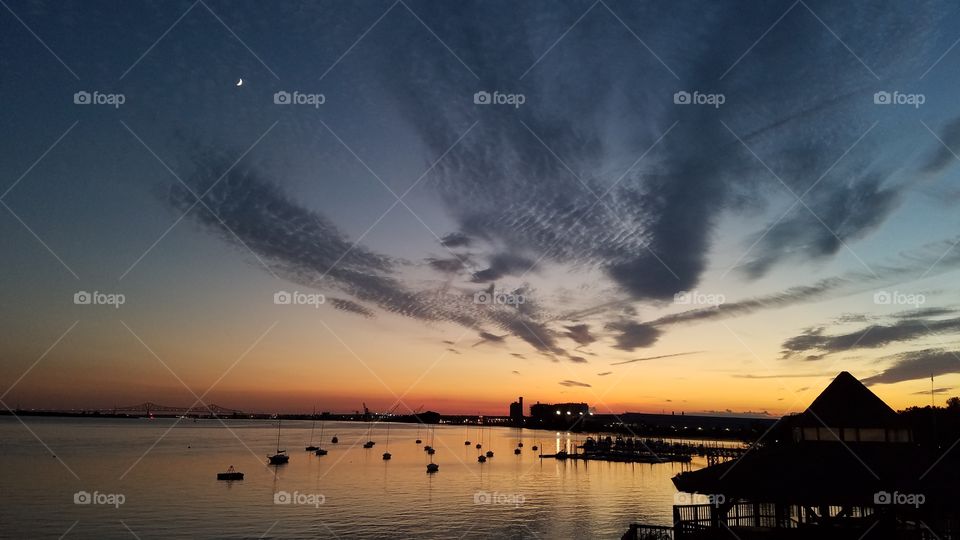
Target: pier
<point>630,450</point>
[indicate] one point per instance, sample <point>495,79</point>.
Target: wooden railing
<point>752,514</point>
<point>697,521</point>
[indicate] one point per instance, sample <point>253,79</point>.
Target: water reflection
<point>172,490</point>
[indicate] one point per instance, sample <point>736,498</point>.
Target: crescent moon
<point>240,82</point>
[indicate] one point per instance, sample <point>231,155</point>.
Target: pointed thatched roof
<point>847,403</point>
<point>836,473</point>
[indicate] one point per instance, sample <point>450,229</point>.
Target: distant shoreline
<point>627,424</point>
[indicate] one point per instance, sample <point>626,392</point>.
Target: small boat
<point>466,443</point>
<point>231,474</point>
<point>370,442</point>
<point>431,451</point>
<point>419,441</point>
<point>387,455</point>
<point>427,448</point>
<point>432,467</point>
<point>535,448</point>
<point>489,453</point>
<point>334,440</point>
<point>516,451</point>
<point>311,447</point>
<point>519,445</point>
<point>316,449</point>
<point>481,459</point>
<point>281,456</point>
<point>479,446</point>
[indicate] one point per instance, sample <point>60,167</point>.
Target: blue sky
<point>597,200</point>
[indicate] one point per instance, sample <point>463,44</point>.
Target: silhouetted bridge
<point>153,408</point>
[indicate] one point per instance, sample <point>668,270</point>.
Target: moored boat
<point>281,456</point>
<point>230,474</point>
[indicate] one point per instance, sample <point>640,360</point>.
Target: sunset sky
<point>730,255</point>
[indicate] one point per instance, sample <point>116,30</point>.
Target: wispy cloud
<point>658,357</point>
<point>905,328</point>
<point>916,365</point>
<point>568,382</point>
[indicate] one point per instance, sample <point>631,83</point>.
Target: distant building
<point>558,415</point>
<point>516,411</point>
<point>546,410</point>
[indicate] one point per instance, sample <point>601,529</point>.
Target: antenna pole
<point>933,412</point>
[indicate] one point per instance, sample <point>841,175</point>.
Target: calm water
<point>350,493</point>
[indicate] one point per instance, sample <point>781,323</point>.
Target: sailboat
<point>369,443</point>
<point>310,447</point>
<point>320,451</point>
<point>429,448</point>
<point>480,457</point>
<point>432,467</point>
<point>281,456</point>
<point>418,433</point>
<point>387,455</point>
